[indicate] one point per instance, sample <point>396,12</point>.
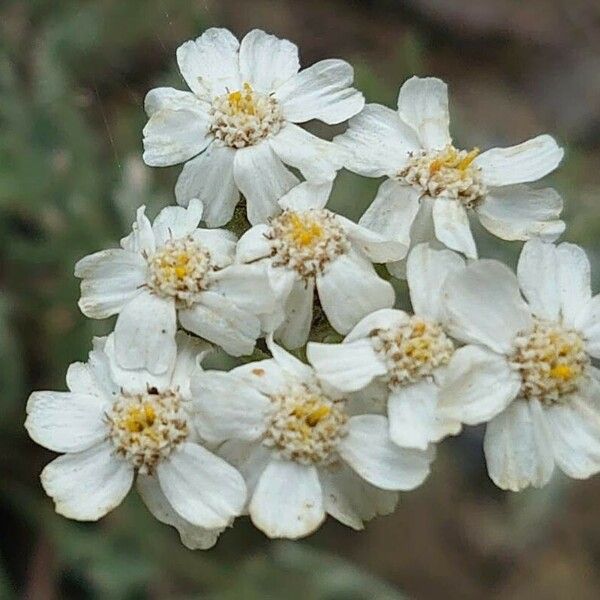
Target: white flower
<point>527,368</point>
<point>172,270</point>
<point>114,424</point>
<point>302,454</point>
<point>398,356</point>
<point>431,184</point>
<point>308,246</point>
<point>239,122</point>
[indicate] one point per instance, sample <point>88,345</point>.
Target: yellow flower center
<point>552,362</point>
<point>145,428</point>
<point>242,101</point>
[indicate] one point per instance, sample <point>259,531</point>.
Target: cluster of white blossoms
<point>326,424</point>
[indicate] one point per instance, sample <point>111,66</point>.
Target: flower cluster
<point>345,411</point>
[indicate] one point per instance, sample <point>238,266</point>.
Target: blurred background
<point>73,75</point>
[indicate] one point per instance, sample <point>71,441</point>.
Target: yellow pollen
<point>242,101</point>
<point>561,371</point>
<point>450,159</point>
<point>138,419</point>
<point>304,232</point>
<point>466,162</point>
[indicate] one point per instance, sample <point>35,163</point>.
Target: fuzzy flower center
<point>552,362</point>
<point>306,241</point>
<point>180,269</point>
<point>245,117</point>
<point>450,173</point>
<point>145,428</point>
<point>412,350</point>
<point>306,425</point>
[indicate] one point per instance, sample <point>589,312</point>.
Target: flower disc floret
<point>145,428</point>
<point>412,350</point>
<point>449,173</point>
<point>245,117</point>
<point>306,425</point>
<point>306,241</point>
<point>552,362</point>
<point>180,269</point>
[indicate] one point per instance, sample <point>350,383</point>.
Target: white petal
<point>392,212</point>
<point>253,245</point>
<point>452,226</point>
<point>574,282</point>
<point>175,222</point>
<point>347,367</point>
<point>518,212</point>
<point>66,421</point>
<point>190,352</point>
<point>385,318</point>
<point>226,407</point>
<point>249,458</point>
<point>413,418</point>
<point>307,195</point>
<point>323,91</point>
<point>517,447</point>
<point>171,99</point>
<point>478,384</point>
<point>201,487</point>
<point>91,378</point>
<point>111,278</point>
<point>575,428</point>
<point>522,163</point>
<point>247,287</point>
<point>426,271</point>
<point>351,500</point>
<point>193,537</point>
<point>376,246</point>
<point>219,321</point>
<point>134,381</point>
<point>145,333</point>
<point>298,313</point>
<point>589,323</point>
<point>220,243</point>
<point>423,104</point>
<point>287,501</point>
<point>266,61</point>
<point>377,141</point>
<point>483,305</point>
<point>316,159</point>
<point>421,231</point>
<point>209,177</point>
<point>141,238</point>
<point>288,362</point>
<point>349,289</point>
<point>369,450</point>
<point>266,376</point>
<point>263,179</point>
<point>209,64</point>
<point>87,485</point>
<point>174,136</point>
<point>538,277</point>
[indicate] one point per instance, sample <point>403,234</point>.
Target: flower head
<point>527,368</point>
<point>432,184</point>
<point>308,247</point>
<point>115,425</point>
<point>236,129</point>
<point>168,271</point>
<point>404,357</point>
<point>303,453</point>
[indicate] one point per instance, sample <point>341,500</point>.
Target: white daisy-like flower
<point>237,127</point>
<point>399,356</point>
<point>308,247</point>
<point>528,366</point>
<point>116,425</point>
<point>431,185</point>
<point>302,453</point>
<point>173,270</point>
